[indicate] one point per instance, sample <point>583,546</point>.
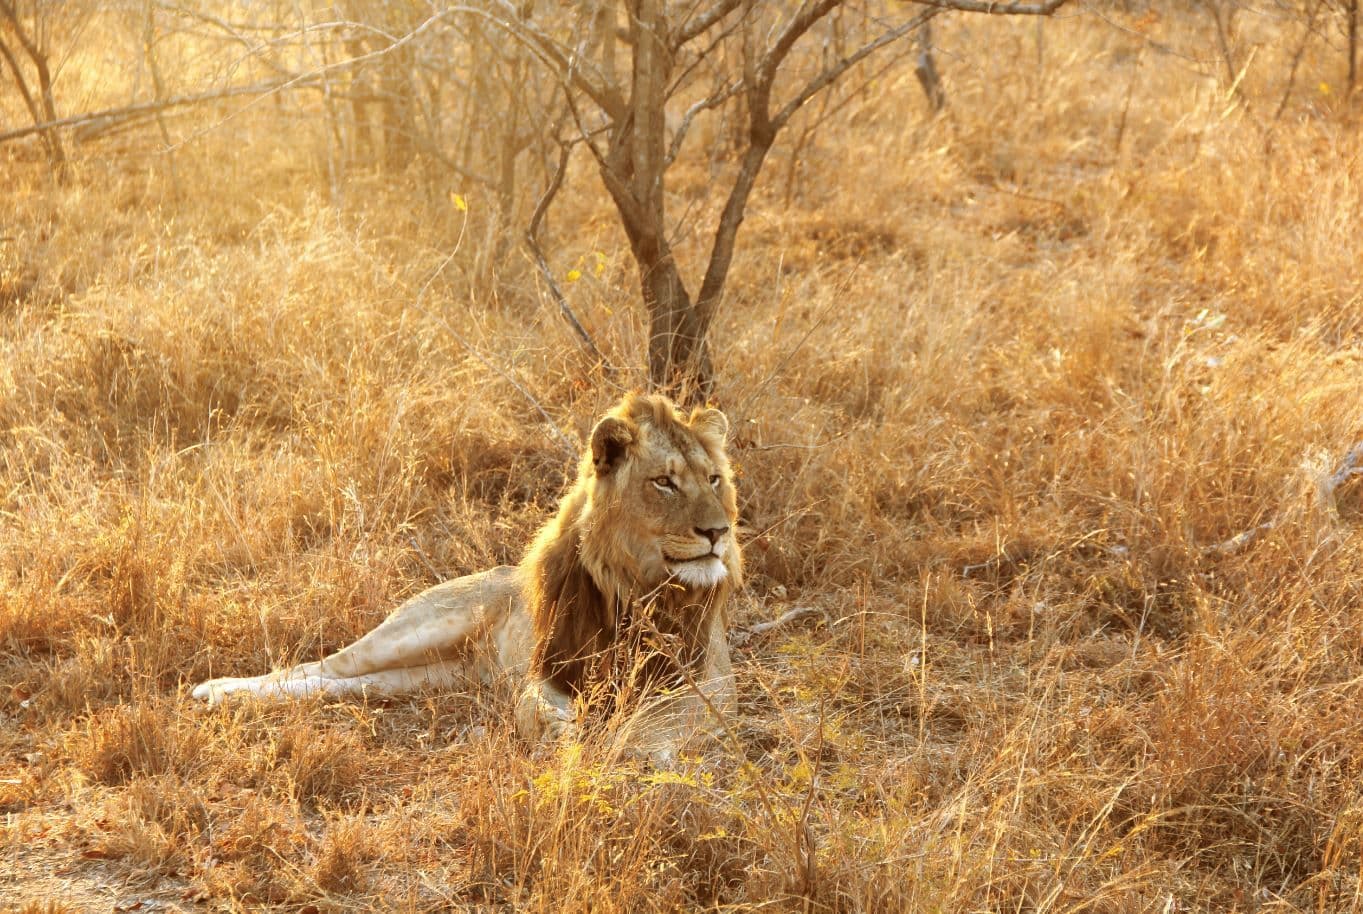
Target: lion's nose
<point>713,533</point>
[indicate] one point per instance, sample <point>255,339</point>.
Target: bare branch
<point>19,81</point>
<point>688,31</point>
<point>803,20</point>
<point>562,59</point>
<point>996,9</point>
<point>835,71</point>
<point>143,109</point>
<point>711,101</point>
<point>1296,59</point>
<point>1150,42</point>
<point>532,242</point>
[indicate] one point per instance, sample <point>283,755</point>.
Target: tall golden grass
<point>1000,381</point>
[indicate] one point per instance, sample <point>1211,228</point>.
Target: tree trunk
<point>678,355</point>
<point>678,358</point>
<point>48,113</point>
<point>925,68</point>
<point>1353,45</point>
<point>397,111</point>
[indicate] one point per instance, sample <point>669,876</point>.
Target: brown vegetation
<point>999,382</point>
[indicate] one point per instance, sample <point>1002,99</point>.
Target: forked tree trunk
<point>678,358</point>
<point>678,355</point>
<point>635,163</point>
<point>43,107</point>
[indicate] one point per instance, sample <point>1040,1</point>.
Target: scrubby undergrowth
<point>998,381</point>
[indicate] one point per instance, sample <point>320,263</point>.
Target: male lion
<point>623,590</point>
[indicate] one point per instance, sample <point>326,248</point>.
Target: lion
<point>621,597</point>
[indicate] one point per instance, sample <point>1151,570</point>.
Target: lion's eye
<point>665,484</point>
<point>714,481</point>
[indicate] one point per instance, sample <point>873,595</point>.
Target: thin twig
<point>421,554</point>
<point>783,446</point>
<point>834,299</point>
<point>532,242</point>
<point>1296,61</point>
<point>569,448</point>
<point>1241,540</point>
<point>834,71</point>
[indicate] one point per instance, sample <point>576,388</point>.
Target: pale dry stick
<point>1350,467</point>
<point>1241,540</point>
<point>785,446</point>
<point>743,636</point>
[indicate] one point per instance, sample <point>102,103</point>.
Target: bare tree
<point>29,29</point>
<point>687,59</point>
<point>490,90</point>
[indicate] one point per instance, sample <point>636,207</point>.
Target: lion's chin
<point>702,572</point>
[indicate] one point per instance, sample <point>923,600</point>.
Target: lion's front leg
<point>691,716</point>
<point>545,712</point>
<point>467,625</point>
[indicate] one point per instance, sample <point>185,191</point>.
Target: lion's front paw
<point>544,713</point>
<point>215,690</point>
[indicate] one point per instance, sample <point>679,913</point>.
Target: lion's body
<point>622,592</point>
<point>474,626</point>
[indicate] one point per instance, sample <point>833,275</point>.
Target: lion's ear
<point>610,438</point>
<point>711,422</point>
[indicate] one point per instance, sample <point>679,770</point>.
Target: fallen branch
<point>1240,540</point>
<point>1351,467</point>
<point>743,636</point>
<point>143,109</point>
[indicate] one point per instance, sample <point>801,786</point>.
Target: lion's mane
<point>596,624</point>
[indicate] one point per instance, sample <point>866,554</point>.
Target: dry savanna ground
<point>1000,381</point>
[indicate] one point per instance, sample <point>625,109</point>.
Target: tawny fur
<point>622,595</point>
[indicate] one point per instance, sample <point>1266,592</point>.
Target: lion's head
<point>648,527</point>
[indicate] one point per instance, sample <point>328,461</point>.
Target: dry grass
<point>998,381</point>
